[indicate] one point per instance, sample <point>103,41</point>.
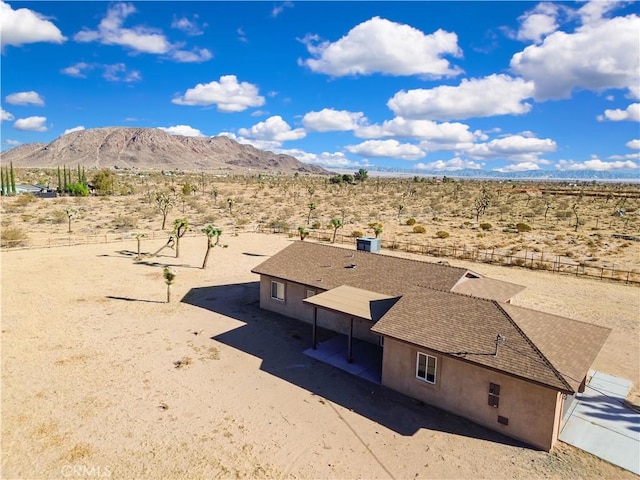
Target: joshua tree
<point>165,202</point>
<point>230,202</point>
<point>303,232</point>
<point>377,229</point>
<point>575,212</point>
<point>213,240</point>
<point>336,223</point>
<point>169,278</point>
<point>361,175</point>
<point>180,227</point>
<point>139,236</point>
<point>400,209</point>
<point>70,213</point>
<point>312,206</point>
<point>481,203</point>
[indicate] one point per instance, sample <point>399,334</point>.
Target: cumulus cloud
<point>599,55</point>
<point>140,39</point>
<point>325,159</point>
<point>21,26</point>
<point>77,70</point>
<point>538,22</point>
<point>31,124</point>
<point>386,149</point>
<point>514,147</point>
<point>273,129</point>
<point>476,97</point>
<point>5,116</point>
<point>184,130</point>
<point>74,129</point>
<point>596,164</point>
<point>450,165</point>
<point>518,167</point>
<point>190,27</point>
<point>11,143</point>
<point>25,98</point>
<point>227,94</point>
<point>634,144</point>
<point>381,46</point>
<point>330,120</point>
<point>267,145</point>
<point>418,129</point>
<point>118,73</point>
<point>631,113</point>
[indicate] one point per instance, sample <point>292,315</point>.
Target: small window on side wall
<point>494,395</point>
<point>277,291</point>
<point>426,367</point>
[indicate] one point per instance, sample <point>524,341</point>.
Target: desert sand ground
<point>102,378</point>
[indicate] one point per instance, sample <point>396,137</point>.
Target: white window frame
<point>278,286</point>
<point>427,361</point>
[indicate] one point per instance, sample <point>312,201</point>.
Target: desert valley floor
<point>100,373</point>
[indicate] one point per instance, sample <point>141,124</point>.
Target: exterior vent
<point>503,420</point>
<point>368,244</point>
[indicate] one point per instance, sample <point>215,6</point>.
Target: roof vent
<point>351,265</point>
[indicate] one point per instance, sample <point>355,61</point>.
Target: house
<point>449,337</point>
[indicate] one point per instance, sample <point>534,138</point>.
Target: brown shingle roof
<point>488,288</point>
<point>326,267</point>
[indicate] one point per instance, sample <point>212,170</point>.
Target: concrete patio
<point>601,424</point>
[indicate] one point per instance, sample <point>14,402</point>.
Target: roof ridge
<point>413,260</point>
<point>545,360</point>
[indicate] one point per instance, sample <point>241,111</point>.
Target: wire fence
<point>525,258</point>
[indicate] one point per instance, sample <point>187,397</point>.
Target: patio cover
<point>354,302</point>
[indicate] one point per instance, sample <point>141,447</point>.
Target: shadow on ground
<point>279,341</point>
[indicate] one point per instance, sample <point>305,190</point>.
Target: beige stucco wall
<point>293,306</point>
<point>463,388</point>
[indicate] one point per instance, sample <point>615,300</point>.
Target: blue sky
<point>497,86</point>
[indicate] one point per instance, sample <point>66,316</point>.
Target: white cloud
<point>11,143</point>
<point>21,26</point>
<point>273,129</point>
<point>118,73</point>
<point>595,164</point>
<point>325,159</point>
<point>450,165</point>
<point>184,130</point>
<point>190,27</point>
<point>597,56</point>
<point>381,46</point>
<point>227,94</point>
<point>518,167</point>
<point>31,124</point>
<point>594,11</point>
<point>483,97</point>
<point>634,144</point>
<point>418,129</point>
<point>330,120</point>
<point>628,156</point>
<point>79,128</point>
<point>386,149</point>
<point>196,55</point>
<point>5,116</point>
<point>631,113</point>
<point>515,148</point>
<point>267,145</point>
<point>538,23</point>
<point>142,39</point>
<point>277,10</point>
<point>77,70</point>
<point>25,98</point>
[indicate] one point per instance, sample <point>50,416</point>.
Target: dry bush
<point>24,200</point>
<point>125,222</point>
<point>419,229</point>
<point>59,216</point>
<point>12,237</point>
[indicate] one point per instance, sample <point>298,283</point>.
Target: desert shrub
<point>12,237</point>
<point>59,216</point>
<point>24,200</point>
<point>78,189</point>
<point>486,226</point>
<point>125,222</point>
<point>518,261</point>
<point>523,227</point>
<point>419,229</point>
<point>316,225</point>
<point>357,234</point>
<point>209,218</point>
<point>442,234</point>
<point>467,223</point>
<point>26,217</point>
<point>411,221</point>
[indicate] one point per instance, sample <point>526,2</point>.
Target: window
<point>426,368</point>
<point>494,395</point>
<point>277,291</point>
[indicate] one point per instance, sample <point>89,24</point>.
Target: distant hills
<point>152,149</point>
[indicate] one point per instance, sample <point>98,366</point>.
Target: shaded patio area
<point>366,358</point>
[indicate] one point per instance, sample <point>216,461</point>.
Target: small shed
<point>367,244</point>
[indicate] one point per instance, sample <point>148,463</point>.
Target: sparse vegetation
<point>442,234</point>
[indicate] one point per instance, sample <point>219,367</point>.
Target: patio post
<point>315,324</point>
<point>350,348</point>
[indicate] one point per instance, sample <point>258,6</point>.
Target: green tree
<point>180,227</point>
<point>482,202</point>
<point>169,278</point>
<point>361,175</point>
<point>312,206</point>
<point>4,183</point>
<point>78,189</point>
<point>59,181</point>
<point>13,180</point>
<point>213,240</point>
<point>164,202</point>
<point>377,228</point>
<point>336,223</point>
<point>65,183</point>
<point>303,232</point>
<point>103,181</point>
